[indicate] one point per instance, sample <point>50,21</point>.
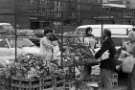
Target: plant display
<point>77,54</point>
<point>29,66</point>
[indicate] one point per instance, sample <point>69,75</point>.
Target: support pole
<point>15,26</point>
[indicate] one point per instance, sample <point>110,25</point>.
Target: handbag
<point>105,55</point>
<point>128,64</point>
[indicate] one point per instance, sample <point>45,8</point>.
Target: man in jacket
<point>108,64</point>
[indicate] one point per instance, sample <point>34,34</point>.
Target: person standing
<point>47,46</point>
<point>88,40</point>
<point>131,49</point>
<point>107,65</point>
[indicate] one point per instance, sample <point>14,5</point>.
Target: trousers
<point>106,79</point>
<point>131,80</point>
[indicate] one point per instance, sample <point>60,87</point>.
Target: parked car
<point>6,28</point>
<point>23,46</point>
<point>36,41</point>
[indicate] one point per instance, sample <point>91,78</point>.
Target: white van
<point>119,32</point>
<point>6,27</point>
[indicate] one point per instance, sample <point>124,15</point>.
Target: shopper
<point>131,49</point>
<point>48,46</point>
<point>107,64</point>
<point>89,40</point>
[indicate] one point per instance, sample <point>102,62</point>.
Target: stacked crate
<point>58,82</point>
<point>67,85</point>
<point>31,84</point>
<point>47,82</point>
<point>70,73</point>
<point>69,77</point>
<point>44,83</point>
<point>25,84</point>
<point>114,80</point>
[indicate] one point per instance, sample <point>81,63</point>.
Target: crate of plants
<point>58,79</point>
<point>28,72</point>
<point>42,83</point>
<point>83,55</point>
<point>69,73</point>
<point>25,84</point>
<point>29,66</point>
<point>78,54</point>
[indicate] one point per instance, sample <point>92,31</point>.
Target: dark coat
<point>109,63</point>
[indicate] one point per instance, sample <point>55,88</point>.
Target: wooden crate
<point>25,84</point>
<point>47,82</point>
<point>70,74</point>
<point>114,80</point>
<point>58,81</point>
<point>31,84</point>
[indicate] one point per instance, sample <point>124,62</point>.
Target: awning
<point>114,5</point>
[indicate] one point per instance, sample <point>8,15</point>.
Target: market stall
<point>28,71</point>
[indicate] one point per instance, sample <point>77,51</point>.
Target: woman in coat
<point>49,46</point>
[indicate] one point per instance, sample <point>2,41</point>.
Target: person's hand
<point>118,67</point>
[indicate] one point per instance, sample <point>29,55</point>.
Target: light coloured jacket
<point>90,41</point>
<point>46,49</point>
<point>49,49</point>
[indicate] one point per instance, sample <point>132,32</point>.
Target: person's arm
<point>105,46</point>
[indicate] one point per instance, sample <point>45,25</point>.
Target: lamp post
<point>15,26</point>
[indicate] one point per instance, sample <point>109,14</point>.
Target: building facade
<point>16,12</point>
<point>53,12</point>
<point>125,14</point>
<point>7,11</point>
<point>130,3</point>
<point>41,13</point>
